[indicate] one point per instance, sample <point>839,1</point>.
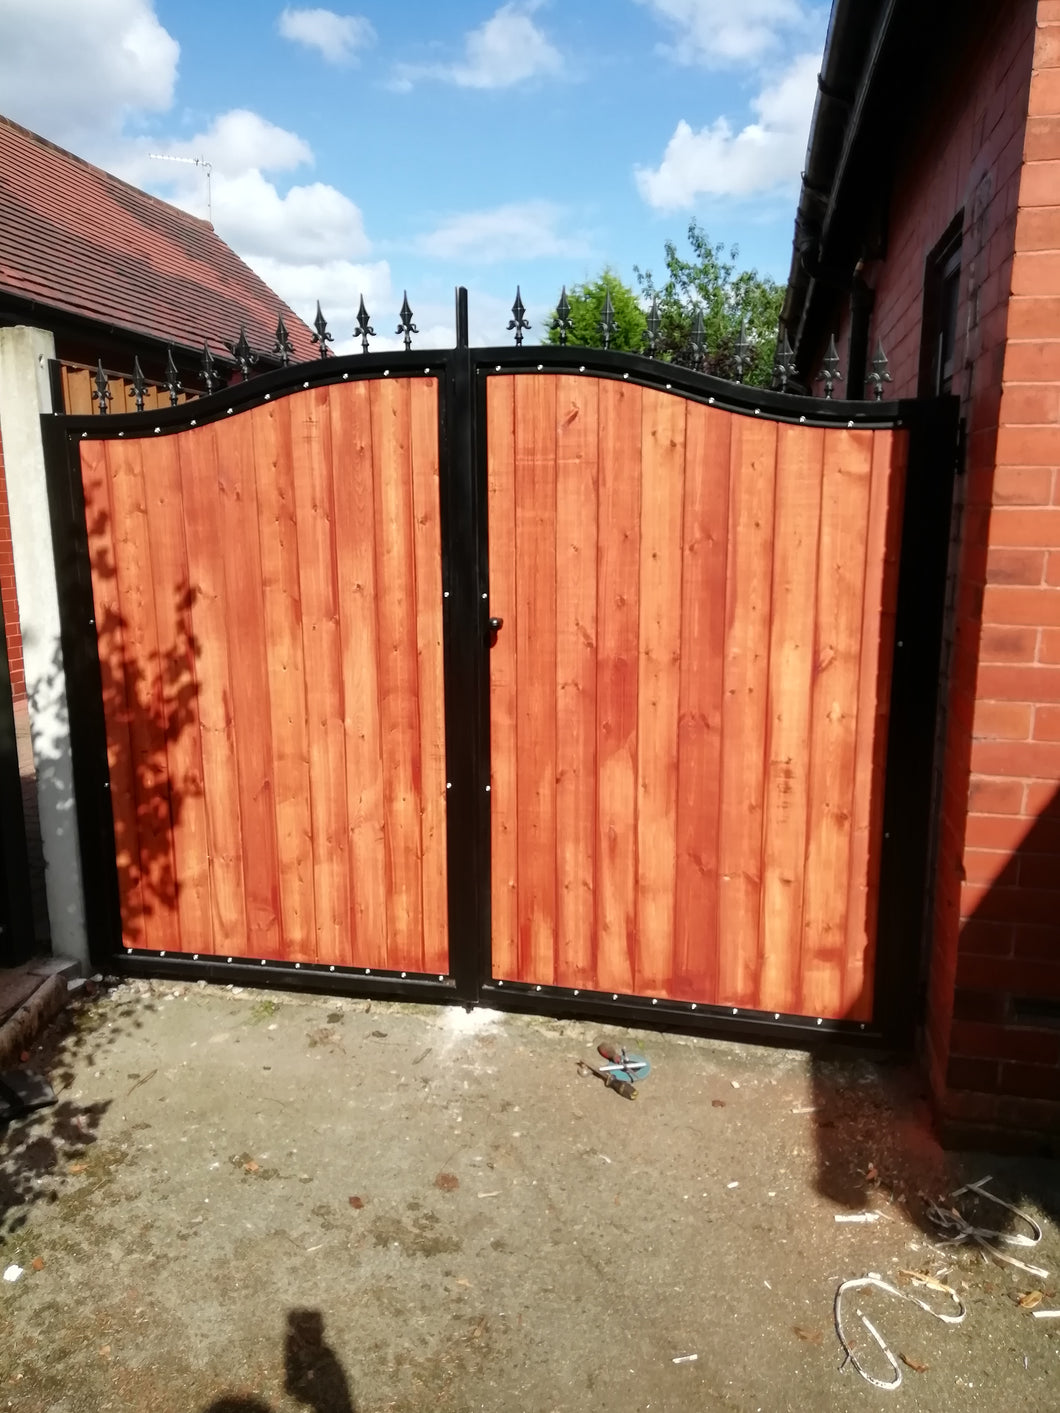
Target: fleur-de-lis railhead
<point>518,321</point>
<point>283,347</point>
<point>209,370</point>
<point>102,394</point>
<point>651,333</point>
<point>241,351</point>
<point>139,385</point>
<point>745,353</point>
<point>881,371</point>
<point>172,382</point>
<point>405,324</point>
<point>699,340</point>
<point>364,327</point>
<point>830,374</point>
<point>784,364</point>
<point>607,319</point>
<point>322,337</point>
<point>561,323</point>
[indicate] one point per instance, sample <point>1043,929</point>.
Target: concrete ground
<point>250,1202</point>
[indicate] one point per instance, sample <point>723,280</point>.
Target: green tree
<point>586,310</point>
<point>709,281</point>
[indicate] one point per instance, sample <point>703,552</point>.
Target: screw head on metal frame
<point>405,324</point>
<point>518,321</point>
<point>322,338</point>
<point>561,322</point>
<point>364,326</point>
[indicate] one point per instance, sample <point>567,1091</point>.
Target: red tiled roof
<point>76,239</point>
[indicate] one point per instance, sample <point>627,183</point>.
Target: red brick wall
<point>8,597</point>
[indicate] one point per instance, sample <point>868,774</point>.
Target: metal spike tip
<point>322,337</point>
<point>518,321</point>
<point>745,352</point>
<point>283,346</point>
<point>209,370</point>
<point>699,340</point>
<point>830,374</point>
<point>102,394</point>
<point>242,352</point>
<point>561,322</point>
<point>607,319</point>
<point>364,327</point>
<point>651,334</point>
<point>172,382</point>
<point>881,371</point>
<point>139,384</point>
<point>784,364</point>
<point>405,324</point>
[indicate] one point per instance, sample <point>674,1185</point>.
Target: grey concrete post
<point>25,393</point>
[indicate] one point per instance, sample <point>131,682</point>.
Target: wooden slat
<point>504,730</point>
<point>658,687</point>
<point>398,671</point>
<point>79,393</point>
<point>748,599</point>
<point>699,766</point>
<point>427,541</point>
<point>289,731</point>
<point>180,696</point>
<point>577,433</point>
<point>535,570</point>
<point>833,719</point>
<point>617,674</point>
<point>311,457</point>
<point>354,490</point>
<point>100,524</point>
<point>797,522</point>
<point>210,619</point>
<point>886,505</point>
<point>248,657</point>
<point>143,678</point>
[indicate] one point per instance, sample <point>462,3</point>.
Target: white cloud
<point>337,38</point>
<point>74,72</point>
<point>507,49</point>
<point>716,161</point>
<point>718,33</point>
<point>242,141</point>
<point>529,227</point>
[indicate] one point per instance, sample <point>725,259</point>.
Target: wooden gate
<point>555,677</point>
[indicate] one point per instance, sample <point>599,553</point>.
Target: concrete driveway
<point>250,1202</point>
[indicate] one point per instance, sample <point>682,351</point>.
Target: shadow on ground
<point>313,1373</point>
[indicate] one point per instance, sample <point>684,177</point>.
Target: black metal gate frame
<point>462,373</point>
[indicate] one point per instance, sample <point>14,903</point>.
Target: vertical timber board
<point>398,670</point>
<point>143,693</point>
<point>355,537</point>
<point>845,491</point>
<point>797,524</point>
<point>618,605</point>
<point>100,526</point>
<point>658,686</point>
<point>427,545</point>
<point>311,454</point>
<point>535,583</point>
<point>577,485</point>
<point>884,529</point>
<point>504,726</point>
<point>200,496</point>
<point>248,657</point>
<point>748,611</point>
<point>282,608</point>
<point>704,552</point>
<point>180,693</point>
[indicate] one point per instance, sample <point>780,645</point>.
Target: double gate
<point>553,676</point>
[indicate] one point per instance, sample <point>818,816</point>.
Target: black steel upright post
<point>465,617</point>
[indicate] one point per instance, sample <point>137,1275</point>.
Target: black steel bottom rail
<point>368,982</point>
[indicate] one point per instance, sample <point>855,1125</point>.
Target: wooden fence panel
<point>718,841</point>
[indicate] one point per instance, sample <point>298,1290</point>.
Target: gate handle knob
<point>496,624</point>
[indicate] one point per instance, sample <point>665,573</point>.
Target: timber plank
<point>178,656</point>
<point>99,520</point>
<point>748,607</point>
<point>354,489</point>
<point>204,538</point>
<point>398,671</point>
<point>618,604</point>
<point>702,656</point>
<point>797,523</point>
<point>845,492</point>
<point>577,446</point>
<point>248,657</point>
<point>289,730</point>
<point>658,686</point>
<point>535,572</point>
<point>427,545</point>
<point>311,455</point>
<point>504,723</point>
<point>143,682</point>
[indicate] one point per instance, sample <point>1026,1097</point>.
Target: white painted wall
<point>25,393</point>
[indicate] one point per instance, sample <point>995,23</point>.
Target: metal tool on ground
<point>622,1063</point>
<point>625,1087</point>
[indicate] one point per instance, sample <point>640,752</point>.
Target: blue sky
<point>383,145</point>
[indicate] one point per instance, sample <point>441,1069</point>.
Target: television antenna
<point>191,162</point>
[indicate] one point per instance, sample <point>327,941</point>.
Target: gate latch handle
<point>495,626</point>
